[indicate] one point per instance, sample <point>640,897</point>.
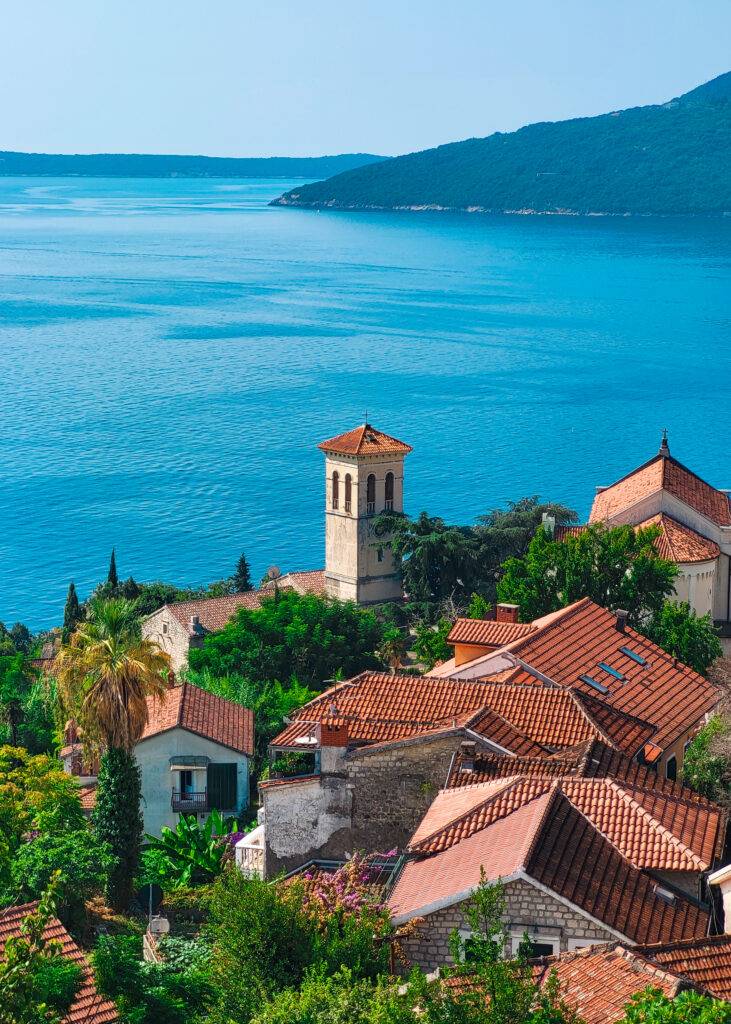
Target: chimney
<point>621,620</point>
<point>332,735</point>
<point>549,523</point>
<point>507,613</point>
<point>722,878</point>
<point>467,754</point>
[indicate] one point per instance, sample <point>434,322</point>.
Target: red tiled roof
<point>487,632</point>
<point>652,831</point>
<point>599,981</point>
<point>678,543</point>
<point>365,440</point>
<point>205,714</point>
<point>574,860</point>
<point>88,1006</point>
<point>662,472</point>
<point>379,707</point>
<point>214,612</point>
<point>309,581</point>
<point>705,961</point>
<point>87,795</point>
<point>662,691</point>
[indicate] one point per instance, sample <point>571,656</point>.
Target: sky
<point>239,78</point>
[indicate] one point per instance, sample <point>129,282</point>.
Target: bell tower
<point>364,476</point>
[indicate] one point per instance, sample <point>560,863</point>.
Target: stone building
<point>695,529</point>
<point>582,859</point>
<point>379,747</point>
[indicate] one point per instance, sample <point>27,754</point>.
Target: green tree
<point>72,613</point>
<point>37,983</point>
<point>22,637</point>
<point>16,680</point>
<point>394,646</point>
<point>295,635</point>
<point>706,765</point>
<point>690,637</point>
<point>478,608</point>
<point>105,674</point>
<point>192,852</point>
<point>617,567</point>
<point>653,1007</point>
<point>112,577</point>
<point>437,561</point>
<point>430,642</point>
<point>242,576</point>
<point>176,991</point>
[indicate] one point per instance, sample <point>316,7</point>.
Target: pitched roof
<point>599,981</point>
<point>487,632</point>
<point>379,707</point>
<point>662,473</point>
<point>705,961</point>
<point>592,841</point>
<point>214,613</point>
<point>365,440</point>
<point>676,542</point>
<point>88,1007</point>
<point>573,642</point>
<point>651,830</point>
<point>205,714</point>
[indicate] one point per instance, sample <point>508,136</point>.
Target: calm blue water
<point>171,351</point>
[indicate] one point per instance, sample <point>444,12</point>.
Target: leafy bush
<point>705,769</point>
<point>150,993</point>
<point>685,635</point>
<point>653,1007</point>
<point>191,853</point>
<point>430,645</point>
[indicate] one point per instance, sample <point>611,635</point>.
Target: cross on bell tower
<point>364,476</point>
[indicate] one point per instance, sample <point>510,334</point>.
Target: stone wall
<point>528,910</point>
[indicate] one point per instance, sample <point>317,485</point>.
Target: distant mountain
<point>138,165</point>
<point>674,158</point>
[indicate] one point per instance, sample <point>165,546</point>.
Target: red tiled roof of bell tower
<point>365,440</point>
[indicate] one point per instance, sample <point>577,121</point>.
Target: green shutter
<point>222,787</point>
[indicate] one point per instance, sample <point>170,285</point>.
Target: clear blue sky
<point>237,77</point>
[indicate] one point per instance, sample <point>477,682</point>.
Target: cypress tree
<point>112,578</point>
<point>242,576</point>
<point>117,820</point>
<point>72,613</point>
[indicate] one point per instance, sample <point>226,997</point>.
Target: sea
<point>172,351</point>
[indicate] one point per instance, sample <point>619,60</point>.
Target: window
<point>600,687</point>
<point>379,554</point>
<point>633,655</point>
<point>348,492</point>
<point>370,494</point>
<point>164,627</point>
<point>186,781</point>
<point>222,787</point>
<point>336,489</point>
<point>388,504</point>
<point>671,768</point>
<point>541,945</point>
<point>612,671</point>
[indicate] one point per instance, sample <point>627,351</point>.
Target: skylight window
<point>665,894</point>
<point>612,671</point>
<point>592,682</point>
<point>633,655</point>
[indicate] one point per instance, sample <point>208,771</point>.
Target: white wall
<point>153,756</point>
<point>164,630</point>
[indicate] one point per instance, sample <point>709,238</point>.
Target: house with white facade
<point>194,757</point>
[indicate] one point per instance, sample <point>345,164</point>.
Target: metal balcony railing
<point>388,505</point>
<point>370,508</point>
<point>189,803</point>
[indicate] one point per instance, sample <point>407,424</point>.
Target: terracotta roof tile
<point>203,713</point>
<point>705,961</point>
<point>439,880</point>
<point>599,981</point>
<point>678,543</point>
<point>487,632</point>
<point>662,472</point>
<point>87,795</point>
<point>309,581</point>
<point>661,690</point>
<point>574,860</point>
<point>214,612</point>
<point>365,440</point>
<point>89,1007</point>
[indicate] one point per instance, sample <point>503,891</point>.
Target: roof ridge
<point>657,825</point>
<point>510,783</point>
<point>506,721</point>
<point>554,790</point>
<point>577,699</point>
<point>181,702</point>
<point>559,616</point>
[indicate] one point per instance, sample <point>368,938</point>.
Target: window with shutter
<point>222,787</point>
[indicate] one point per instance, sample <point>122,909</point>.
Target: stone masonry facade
<point>528,910</point>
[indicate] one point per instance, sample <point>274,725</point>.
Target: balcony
<point>388,505</point>
<point>370,508</point>
<point>189,803</point>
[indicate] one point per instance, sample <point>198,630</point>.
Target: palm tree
<point>105,673</point>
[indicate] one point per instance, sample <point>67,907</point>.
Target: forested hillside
<point>673,158</point>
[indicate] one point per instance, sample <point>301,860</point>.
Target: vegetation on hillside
<point>671,158</point>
